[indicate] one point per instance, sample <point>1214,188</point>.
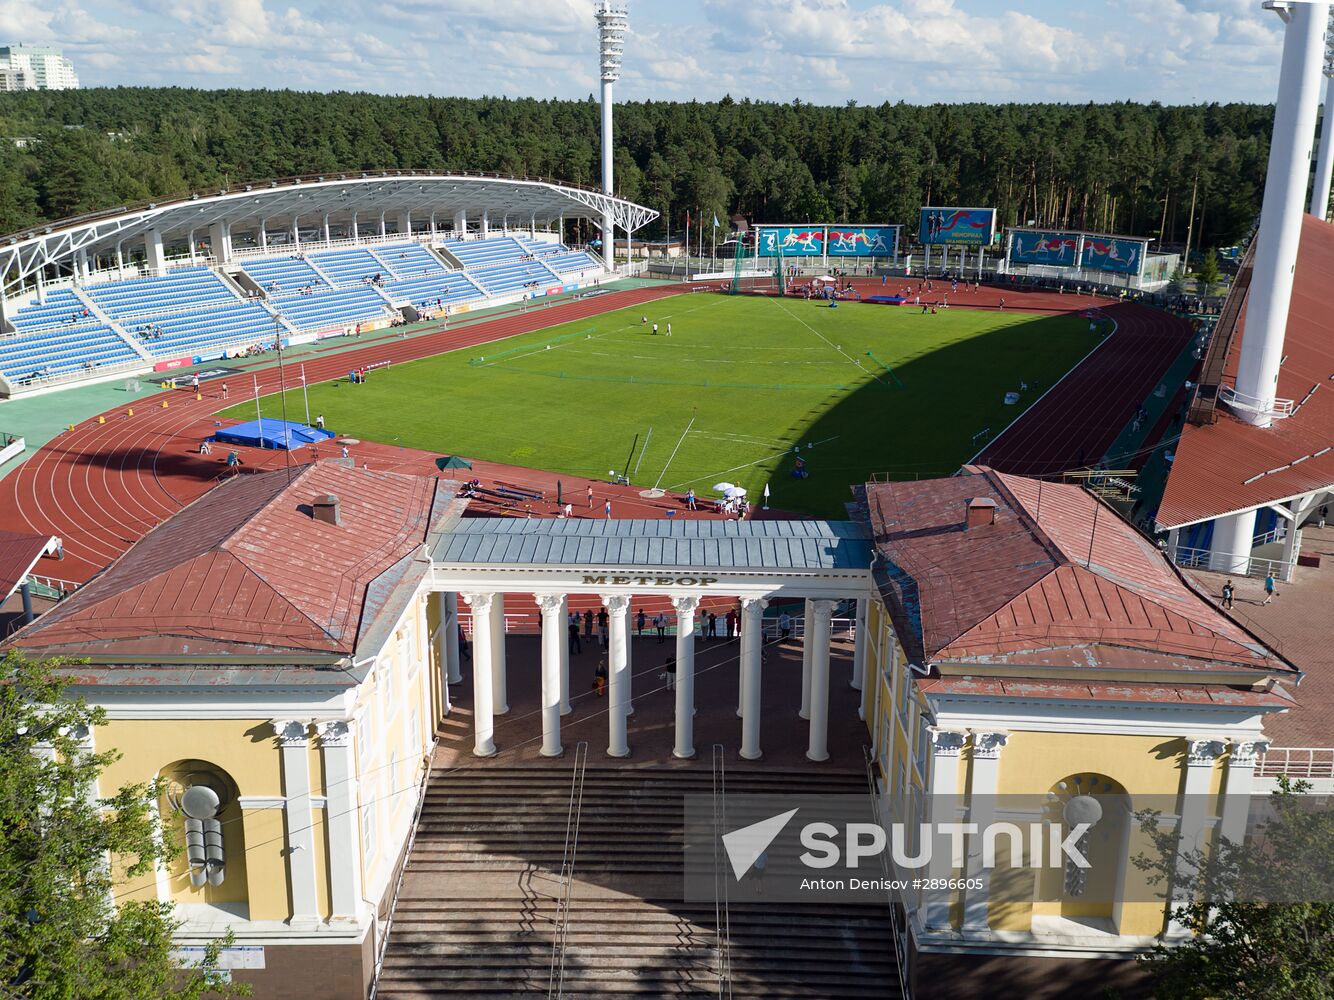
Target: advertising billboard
<point>791,241</point>
<point>862,241</point>
<point>974,227</point>
<point>1051,249</point>
<point>1107,253</point>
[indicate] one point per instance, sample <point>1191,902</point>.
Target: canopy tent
<point>452,462</point>
<point>272,434</point>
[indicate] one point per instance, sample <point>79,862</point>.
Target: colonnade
<point>490,686</point>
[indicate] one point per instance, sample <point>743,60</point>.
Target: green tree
<point>1258,925</point>
<point>63,935</point>
<point>1208,275</point>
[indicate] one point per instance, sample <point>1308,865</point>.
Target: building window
<point>368,832</point>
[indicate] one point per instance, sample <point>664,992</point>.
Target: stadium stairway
<point>477,914</point>
<point>111,324</point>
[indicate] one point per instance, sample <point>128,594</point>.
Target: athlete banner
<point>791,241</point>
<point>1107,253</point>
<point>1051,249</point>
<point>862,241</point>
<point>974,227</point>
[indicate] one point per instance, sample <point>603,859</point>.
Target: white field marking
<point>832,345</point>
<point>672,456</point>
<point>738,468</point>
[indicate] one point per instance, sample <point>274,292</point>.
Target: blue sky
<point>823,51</point>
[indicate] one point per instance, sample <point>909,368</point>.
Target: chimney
<point>325,509</point>
<point>981,512</point>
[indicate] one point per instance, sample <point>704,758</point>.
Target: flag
<point>715,220</point>
<point>687,217</point>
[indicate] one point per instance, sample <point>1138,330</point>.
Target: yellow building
<point>1030,648</point>
<point>267,652</point>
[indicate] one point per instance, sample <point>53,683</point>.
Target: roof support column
<point>120,260</point>
<point>432,225</point>
<point>356,233</point>
<point>1230,549</point>
<point>383,231</point>
<point>327,238</point>
<point>807,616</point>
<point>499,686</point>
<point>81,269</point>
<point>404,222</point>
<point>553,641</point>
<point>294,750</point>
<point>156,258</point>
<point>296,231</point>
<point>483,724</point>
<point>818,746</point>
<point>340,780</point>
<point>263,234</point>
<point>685,676</point>
<point>618,675</point>
<point>532,226</point>
<point>1238,784</point>
<point>752,656</point>
<point>220,241</point>
<point>486,224</point>
<point>460,223</point>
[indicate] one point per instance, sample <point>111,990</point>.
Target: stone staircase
<point>479,907</point>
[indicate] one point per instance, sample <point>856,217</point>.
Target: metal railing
<point>722,914</point>
<point>1296,762</point>
<point>561,928</point>
<point>1251,566</point>
<point>54,586</point>
<point>900,945</point>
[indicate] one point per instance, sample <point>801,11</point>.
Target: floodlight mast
<point>1255,396</point>
<point>613,22</point>
<point>1324,164</point>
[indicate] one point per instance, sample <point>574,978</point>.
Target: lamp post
<point>613,21</point>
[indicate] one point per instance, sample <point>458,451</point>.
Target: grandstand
<point>135,289</point>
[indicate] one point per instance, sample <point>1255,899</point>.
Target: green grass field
<point>751,379</point>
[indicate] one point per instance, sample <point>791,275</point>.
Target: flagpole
<point>713,243</point>
<point>259,413</point>
<point>687,244</point>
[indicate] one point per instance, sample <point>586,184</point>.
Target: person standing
<point>669,673</point>
<point>588,624</point>
<point>690,499</point>
<point>660,625</point>
<point>785,626</point>
<point>607,509</point>
<point>1269,587</point>
<point>731,624</point>
<point>655,329</point>
<point>1227,596</point>
<point>1324,513</point>
<point>669,329</point>
<point>640,619</point>
<point>713,626</point>
<point>590,497</point>
<point>575,645</point>
<point>319,421</point>
<point>604,634</point>
<point>223,388</point>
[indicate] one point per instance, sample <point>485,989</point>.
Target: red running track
<point>102,486</point>
<point>1074,424</point>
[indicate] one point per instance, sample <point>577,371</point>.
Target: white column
<point>483,724</point>
<point>817,634</point>
<point>565,707</point>
<point>220,237</point>
<point>499,685</point>
<point>340,822</point>
<point>685,675</point>
<point>1237,787</point>
<point>292,748</point>
<point>325,226</point>
<point>946,746</point>
<point>618,675</point>
<point>460,223</point>
<point>982,811</point>
<point>859,645</point>
<point>1230,547</point>
<point>807,616</point>
<point>752,648</point>
<point>608,184</point>
<point>356,233</point>
<point>1324,163</point>
<point>1281,210</point>
<point>553,641</point>
<point>450,610</point>
<point>1201,756</point>
<point>629,628</point>
<point>156,258</point>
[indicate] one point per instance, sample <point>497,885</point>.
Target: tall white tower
<point>1281,212</point>
<point>613,21</point>
<point>1324,164</point>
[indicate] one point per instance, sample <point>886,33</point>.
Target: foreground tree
<point>63,934</point>
<point>1261,914</point>
<point>1209,275</point>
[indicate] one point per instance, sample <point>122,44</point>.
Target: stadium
<point>468,587</point>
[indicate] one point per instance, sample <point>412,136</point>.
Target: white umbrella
<point>723,487</point>
<point>735,491</point>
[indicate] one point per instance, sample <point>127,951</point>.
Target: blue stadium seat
<point>187,286</point>
<point>60,352</point>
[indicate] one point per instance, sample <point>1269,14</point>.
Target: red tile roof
<point>1058,571</point>
<point>247,568</point>
<point>1215,468</point>
<point>19,553</point>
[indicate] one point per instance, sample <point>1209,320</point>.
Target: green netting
<point>530,348</point>
<point>886,366</point>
